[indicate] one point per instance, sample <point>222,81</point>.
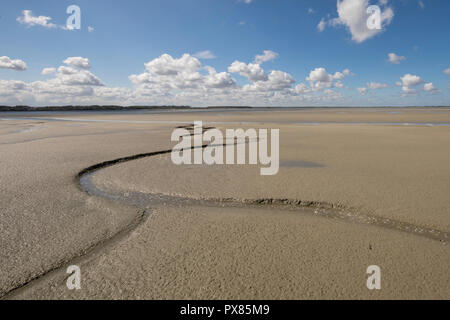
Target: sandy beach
<point>356,187</point>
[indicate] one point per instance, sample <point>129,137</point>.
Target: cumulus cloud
<point>353,15</point>
<point>430,88</point>
<point>165,65</point>
<point>363,91</point>
<point>219,80</point>
<point>11,87</point>
<point>319,75</point>
<point>395,59</point>
<point>71,83</point>
<point>14,92</point>
<point>78,62</point>
<point>322,24</point>
<point>408,82</point>
<point>276,81</point>
<point>8,63</point>
<point>47,71</point>
<point>175,81</point>
<point>79,78</point>
<point>320,79</point>
<point>376,85</point>
<point>29,20</point>
<point>301,88</point>
<point>268,55</point>
<point>205,55</point>
<point>372,86</point>
<point>169,78</point>
<point>252,71</point>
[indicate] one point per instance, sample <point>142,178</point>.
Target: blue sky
<point>301,65</point>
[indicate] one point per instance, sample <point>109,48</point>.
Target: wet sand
<point>199,250</point>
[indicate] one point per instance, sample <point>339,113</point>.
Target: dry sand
<point>210,252</point>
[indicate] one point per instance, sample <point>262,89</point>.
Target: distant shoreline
<point>134,108</point>
<point>89,108</point>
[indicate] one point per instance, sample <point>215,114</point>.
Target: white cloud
<point>79,78</point>
<point>56,90</point>
<point>320,79</point>
<point>322,24</point>
<point>301,89</point>
<point>252,71</point>
<point>169,79</point>
<point>53,91</point>
<point>376,85</point>
<point>47,71</point>
<point>372,86</point>
<point>311,11</point>
<point>14,92</point>
<point>338,76</point>
<point>353,15</point>
<point>268,55</point>
<point>165,83</point>
<point>78,62</point>
<point>68,85</point>
<point>430,88</point>
<point>447,71</point>
<point>204,55</point>
<point>91,29</point>
<point>67,70</point>
<point>8,63</point>
<point>421,4</point>
<point>319,75</point>
<point>276,81</point>
<point>347,72</point>
<point>31,21</point>
<point>175,81</point>
<point>395,59</point>
<point>408,90</point>
<point>219,80</point>
<point>11,86</point>
<point>363,91</point>
<point>165,65</point>
<point>409,80</point>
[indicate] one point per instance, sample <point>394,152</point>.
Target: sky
<point>225,53</point>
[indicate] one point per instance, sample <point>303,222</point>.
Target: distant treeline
<point>89,108</point>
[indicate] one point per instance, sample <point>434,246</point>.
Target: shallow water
<point>419,124</point>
